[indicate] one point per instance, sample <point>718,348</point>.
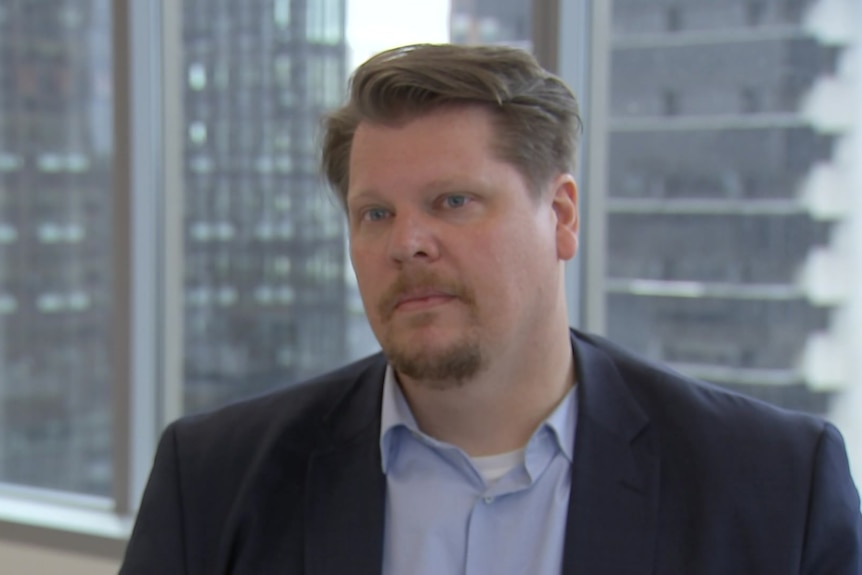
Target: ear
<point>565,206</point>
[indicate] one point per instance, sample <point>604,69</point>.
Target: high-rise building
<point>491,22</point>
<point>266,300</point>
<point>718,239</point>
<point>55,244</point>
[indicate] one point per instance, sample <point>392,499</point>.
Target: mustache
<point>419,280</point>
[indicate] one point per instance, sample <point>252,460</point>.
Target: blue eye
<point>455,201</point>
<point>375,214</point>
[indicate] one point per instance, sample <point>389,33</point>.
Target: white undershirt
<point>493,467</point>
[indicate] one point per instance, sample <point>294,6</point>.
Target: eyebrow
<point>360,196</point>
<point>437,185</point>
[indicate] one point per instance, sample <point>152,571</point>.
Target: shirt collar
<point>562,422</point>
<point>396,413</point>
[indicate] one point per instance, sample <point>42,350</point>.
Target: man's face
<point>458,263</point>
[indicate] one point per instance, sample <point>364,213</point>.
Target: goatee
<point>443,367</point>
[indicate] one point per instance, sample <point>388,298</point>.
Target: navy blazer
<point>670,477</point>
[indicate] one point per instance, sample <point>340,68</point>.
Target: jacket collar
<point>613,504</point>
<point>346,488</point>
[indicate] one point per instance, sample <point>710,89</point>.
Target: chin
<point>454,360</point>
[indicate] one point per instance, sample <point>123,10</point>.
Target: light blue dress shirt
<point>443,518</point>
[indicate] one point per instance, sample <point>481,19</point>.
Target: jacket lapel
<point>613,504</point>
<point>347,488</point>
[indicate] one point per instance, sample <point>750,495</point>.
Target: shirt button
<point>488,499</point>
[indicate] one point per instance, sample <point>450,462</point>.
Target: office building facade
<point>55,244</point>
<point>718,241</point>
<point>265,293</point>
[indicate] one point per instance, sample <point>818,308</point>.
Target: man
<point>488,437</point>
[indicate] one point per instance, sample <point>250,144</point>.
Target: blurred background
<point>167,244</point>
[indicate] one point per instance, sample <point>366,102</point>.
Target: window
<point>196,257</point>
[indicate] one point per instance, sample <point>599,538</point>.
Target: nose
<point>412,239</point>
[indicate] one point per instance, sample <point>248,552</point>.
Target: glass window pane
<point>721,246</point>
<point>55,238</point>
<point>492,22</point>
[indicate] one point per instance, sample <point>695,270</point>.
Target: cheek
<point>506,269</point>
<point>365,275</point>
<point>360,257</point>
<point>531,263</point>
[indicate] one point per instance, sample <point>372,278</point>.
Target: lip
<point>422,299</point>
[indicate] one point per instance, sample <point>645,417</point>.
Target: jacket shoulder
<point>295,416</point>
<point>676,403</point>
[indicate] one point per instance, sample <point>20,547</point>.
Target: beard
<point>442,366</point>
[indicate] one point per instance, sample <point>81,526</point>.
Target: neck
<point>499,409</point>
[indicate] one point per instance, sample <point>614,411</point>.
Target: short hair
<point>535,114</point>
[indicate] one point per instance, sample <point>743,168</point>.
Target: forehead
<point>460,145</point>
<point>443,139</point>
<point>444,134</point>
<point>449,149</point>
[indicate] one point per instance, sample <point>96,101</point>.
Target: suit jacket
<point>670,477</point>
